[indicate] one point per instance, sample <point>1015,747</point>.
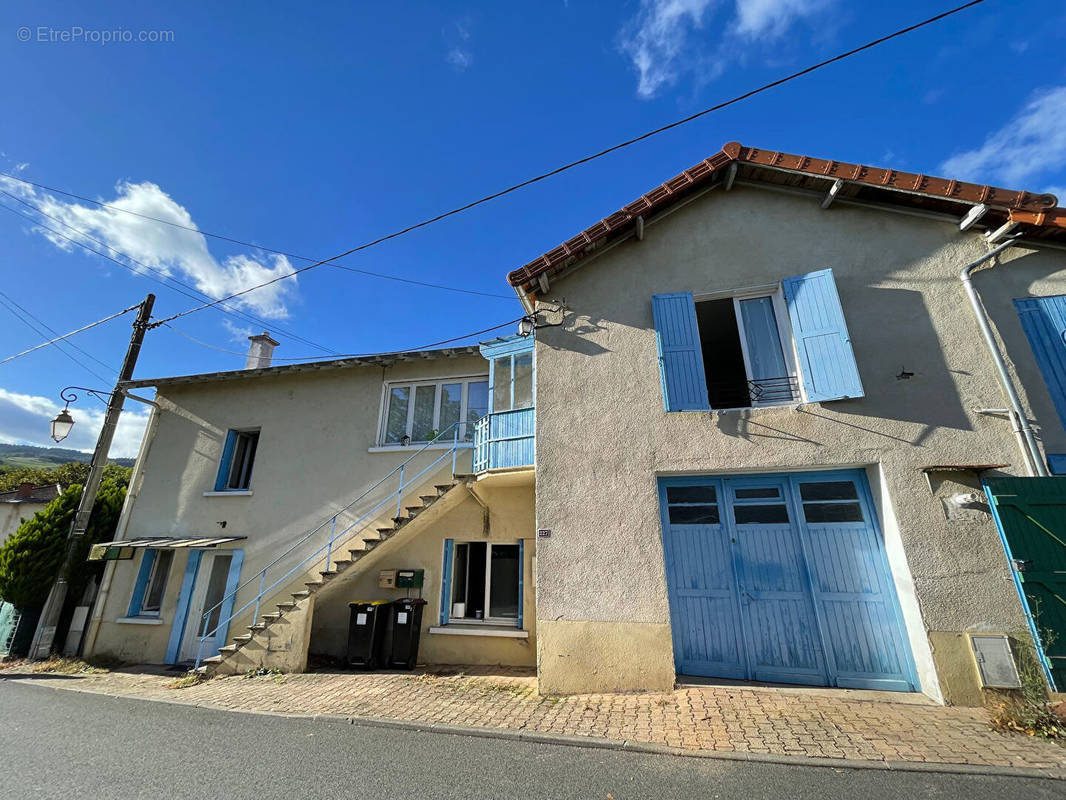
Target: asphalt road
<point>60,744</point>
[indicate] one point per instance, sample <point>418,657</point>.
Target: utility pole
<point>44,637</point>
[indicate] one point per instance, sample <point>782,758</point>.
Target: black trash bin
<point>405,629</point>
<point>366,632</point>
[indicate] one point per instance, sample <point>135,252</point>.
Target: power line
<point>224,238</point>
<point>586,159</point>
<point>54,332</point>
<point>66,335</point>
<point>351,355</point>
<point>198,297</point>
<point>57,345</point>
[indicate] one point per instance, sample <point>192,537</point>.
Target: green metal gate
<point>1031,515</point>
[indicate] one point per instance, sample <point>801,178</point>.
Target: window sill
<point>233,493</point>
<point>414,447</point>
<point>481,630</point>
<point>139,621</point>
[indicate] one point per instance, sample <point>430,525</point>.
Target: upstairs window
<point>238,458</point>
<point>745,360</point>
<point>757,348</point>
<point>512,382</point>
<point>419,412</point>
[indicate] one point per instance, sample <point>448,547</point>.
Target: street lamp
<point>61,425</point>
<point>63,422</point>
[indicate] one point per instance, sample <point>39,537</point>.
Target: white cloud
<point>237,333</point>
<point>655,40</point>
<point>459,58</point>
<point>25,419</point>
<point>174,251</point>
<point>659,43</point>
<point>772,17</point>
<point>457,37</point>
<point>1030,147</point>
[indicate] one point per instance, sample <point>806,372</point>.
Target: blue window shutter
<point>446,581</point>
<point>680,354</point>
<point>521,581</point>
<point>1056,463</point>
<point>141,586</point>
<point>827,362</point>
<point>1044,322</point>
<point>227,458</point>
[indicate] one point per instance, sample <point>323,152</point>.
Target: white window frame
<point>386,396</point>
<point>488,619</point>
<point>153,576</point>
<point>247,463</point>
<point>784,332</point>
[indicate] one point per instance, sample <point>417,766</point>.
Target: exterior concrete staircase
<point>290,622</point>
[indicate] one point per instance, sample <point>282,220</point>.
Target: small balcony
<point>504,440</point>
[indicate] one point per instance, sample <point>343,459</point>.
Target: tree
<point>64,474</point>
<point>30,559</point>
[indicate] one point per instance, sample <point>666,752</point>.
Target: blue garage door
<point>782,578</point>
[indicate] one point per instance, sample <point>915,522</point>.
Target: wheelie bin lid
<point>369,603</point>
<point>410,601</point>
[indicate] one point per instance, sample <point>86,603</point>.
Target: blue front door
<point>782,578</point>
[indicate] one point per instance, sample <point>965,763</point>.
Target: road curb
<point>589,742</point>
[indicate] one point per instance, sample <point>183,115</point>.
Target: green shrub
<point>31,557</point>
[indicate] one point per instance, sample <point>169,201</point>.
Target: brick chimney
<point>261,351</point>
<point>25,490</point>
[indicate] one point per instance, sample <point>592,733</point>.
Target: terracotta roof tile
<point>1039,211</point>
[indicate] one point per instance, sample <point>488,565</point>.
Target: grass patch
<point>1027,710</point>
<point>190,678</point>
<point>71,666</point>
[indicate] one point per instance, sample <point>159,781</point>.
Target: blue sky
<point>312,129</point>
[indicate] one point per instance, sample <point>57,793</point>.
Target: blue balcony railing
<point>504,439</point>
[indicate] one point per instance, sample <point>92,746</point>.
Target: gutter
<point>1019,421</point>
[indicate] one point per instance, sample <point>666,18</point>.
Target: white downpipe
<point>1034,462</point>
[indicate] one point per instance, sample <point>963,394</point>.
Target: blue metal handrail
<point>334,537</point>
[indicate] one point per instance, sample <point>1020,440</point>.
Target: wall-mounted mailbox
<point>387,579</point>
<point>410,578</point>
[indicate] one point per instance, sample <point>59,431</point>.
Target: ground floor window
<point>151,583</point>
<point>485,582</point>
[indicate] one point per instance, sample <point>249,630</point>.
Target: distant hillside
<point>24,455</point>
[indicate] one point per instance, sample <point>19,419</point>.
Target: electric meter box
<point>387,579</point>
<point>410,578</point>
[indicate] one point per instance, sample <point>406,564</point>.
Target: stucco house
<point>751,437</point>
<point>22,503</point>
<point>265,500</point>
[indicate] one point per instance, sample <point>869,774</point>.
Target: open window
<point>760,347</point>
<point>238,458</point>
<point>746,343</point>
<point>151,585</point>
<point>482,583</point>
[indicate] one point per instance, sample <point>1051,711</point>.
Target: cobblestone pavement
<point>782,721</point>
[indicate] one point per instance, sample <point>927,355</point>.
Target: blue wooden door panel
<point>855,596</point>
<point>680,353</point>
<point>703,601</point>
<point>775,601</point>
<point>1044,322</point>
<point>823,344</point>
<point>772,593</point>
